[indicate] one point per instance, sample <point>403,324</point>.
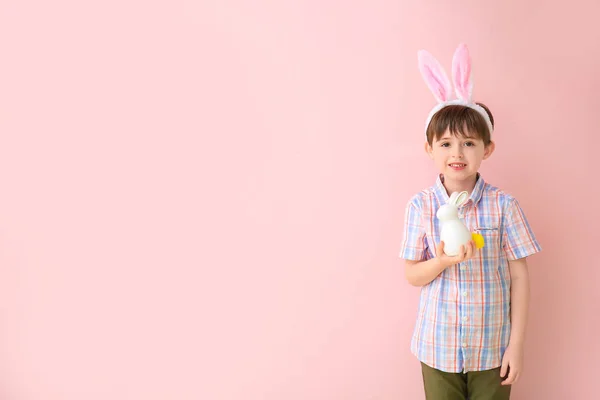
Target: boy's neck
<point>466,185</point>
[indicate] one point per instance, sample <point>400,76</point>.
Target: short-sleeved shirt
<point>463,319</point>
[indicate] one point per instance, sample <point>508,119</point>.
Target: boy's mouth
<point>457,166</point>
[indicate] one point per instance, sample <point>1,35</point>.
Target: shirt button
<point>464,344</point>
<point>463,267</point>
<point>465,318</point>
<point>464,294</point>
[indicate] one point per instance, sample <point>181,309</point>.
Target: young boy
<point>473,307</point>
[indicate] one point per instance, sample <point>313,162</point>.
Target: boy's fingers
<point>469,250</point>
<point>516,377</point>
<point>511,378</point>
<point>440,249</point>
<point>464,251</point>
<point>503,369</point>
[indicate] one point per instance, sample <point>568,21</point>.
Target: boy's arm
<point>512,361</point>
<point>520,243</point>
<point>420,273</point>
<point>519,300</point>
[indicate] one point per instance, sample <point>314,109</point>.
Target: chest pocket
<point>493,242</point>
<point>492,232</point>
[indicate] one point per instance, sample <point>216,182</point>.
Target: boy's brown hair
<point>461,120</point>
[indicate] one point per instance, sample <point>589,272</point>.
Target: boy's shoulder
<point>422,197</point>
<point>502,197</point>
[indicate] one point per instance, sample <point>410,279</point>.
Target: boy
<point>473,307</point>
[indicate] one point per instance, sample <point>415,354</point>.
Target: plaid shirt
<point>463,321</point>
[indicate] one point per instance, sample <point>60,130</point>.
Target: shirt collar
<point>474,197</point>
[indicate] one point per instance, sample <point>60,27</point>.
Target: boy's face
<point>458,158</point>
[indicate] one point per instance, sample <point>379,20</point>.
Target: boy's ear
<point>429,149</point>
<point>489,149</point>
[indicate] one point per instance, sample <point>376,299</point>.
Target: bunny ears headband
<point>436,79</point>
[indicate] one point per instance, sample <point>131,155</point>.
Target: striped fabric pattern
<point>463,319</point>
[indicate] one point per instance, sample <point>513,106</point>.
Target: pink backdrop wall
<point>204,200</point>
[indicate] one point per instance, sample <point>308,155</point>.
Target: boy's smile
<point>458,166</point>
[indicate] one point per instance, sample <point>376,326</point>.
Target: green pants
<point>474,385</point>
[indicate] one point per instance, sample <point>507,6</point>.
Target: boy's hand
<point>512,364</point>
<point>463,254</point>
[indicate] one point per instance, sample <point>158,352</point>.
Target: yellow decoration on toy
<point>479,240</point>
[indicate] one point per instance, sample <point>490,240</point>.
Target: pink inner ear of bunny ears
<point>435,77</point>
<point>461,73</point>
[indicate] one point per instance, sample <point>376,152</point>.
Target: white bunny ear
<point>461,73</point>
<point>435,76</point>
<point>452,199</point>
<point>461,198</point>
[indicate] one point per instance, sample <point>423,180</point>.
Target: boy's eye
<point>445,144</point>
<point>469,144</point>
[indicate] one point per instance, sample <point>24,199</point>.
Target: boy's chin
<point>459,175</point>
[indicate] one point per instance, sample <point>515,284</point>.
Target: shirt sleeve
<point>414,246</point>
<point>519,240</point>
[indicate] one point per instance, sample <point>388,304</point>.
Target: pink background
<point>204,199</point>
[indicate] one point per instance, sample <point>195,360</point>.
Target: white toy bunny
<point>454,233</point>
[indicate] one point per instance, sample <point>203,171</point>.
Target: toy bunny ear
<point>461,198</point>
<point>452,199</point>
<point>435,76</point>
<point>461,73</point>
